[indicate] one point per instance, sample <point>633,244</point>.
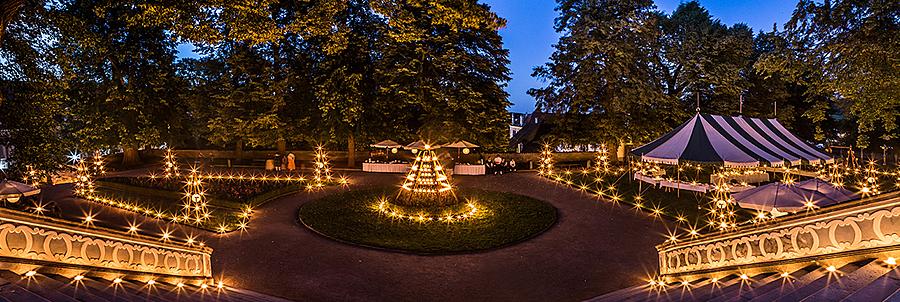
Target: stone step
<point>43,289</point>
<point>895,297</point>
<point>682,292</point>
<point>728,288</point>
<point>751,285</point>
<point>74,289</point>
<point>12,292</point>
<point>776,282</point>
<point>825,280</point>
<point>105,288</point>
<point>52,287</point>
<point>879,290</point>
<point>866,280</point>
<point>850,283</point>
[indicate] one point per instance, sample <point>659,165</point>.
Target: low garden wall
<point>29,240</point>
<point>863,227</point>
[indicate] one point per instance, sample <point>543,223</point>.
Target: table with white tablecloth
<point>468,170</point>
<point>681,185</point>
<point>385,168</point>
<point>750,178</point>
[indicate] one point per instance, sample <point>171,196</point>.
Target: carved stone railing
<point>858,227</point>
<point>54,242</point>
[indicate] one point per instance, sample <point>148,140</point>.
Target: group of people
<point>285,163</point>
<point>498,166</point>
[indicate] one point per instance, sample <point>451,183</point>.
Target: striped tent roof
<point>734,141</point>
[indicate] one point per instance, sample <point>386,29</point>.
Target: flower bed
<point>228,189</point>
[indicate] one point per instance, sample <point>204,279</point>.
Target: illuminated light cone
<point>869,183</point>
<point>170,165</point>
<point>602,161</point>
<point>84,181</point>
<point>323,168</point>
<point>546,159</point>
<point>32,177</point>
<point>98,165</point>
<point>194,206</point>
<point>426,184</point>
<point>721,207</point>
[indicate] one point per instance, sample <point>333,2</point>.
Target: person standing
<point>277,162</point>
<point>291,165</point>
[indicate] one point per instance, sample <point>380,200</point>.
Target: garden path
<point>594,248</point>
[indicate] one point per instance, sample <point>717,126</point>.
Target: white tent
<point>734,141</point>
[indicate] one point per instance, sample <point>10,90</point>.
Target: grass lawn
<point>686,207</point>
<point>502,219</point>
<point>683,206</point>
<point>163,198</point>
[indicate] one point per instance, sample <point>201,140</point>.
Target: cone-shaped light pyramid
<point>194,206</point>
<point>323,168</point>
<point>170,164</point>
<point>84,182</point>
<point>426,184</point>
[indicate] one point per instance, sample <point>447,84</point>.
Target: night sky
<point>529,33</point>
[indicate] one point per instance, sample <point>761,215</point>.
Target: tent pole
<point>678,180</point>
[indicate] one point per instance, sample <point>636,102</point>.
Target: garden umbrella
<point>783,197</point>
<point>459,145</point>
<point>828,189</point>
<point>420,144</point>
<point>13,190</point>
<point>386,144</point>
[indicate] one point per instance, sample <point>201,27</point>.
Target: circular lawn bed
<point>501,219</point>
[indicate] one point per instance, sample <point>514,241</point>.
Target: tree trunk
<point>282,145</point>
<point>9,10</point>
<point>351,151</point>
<point>239,149</point>
<point>130,156</point>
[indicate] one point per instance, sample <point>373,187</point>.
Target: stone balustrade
<point>867,226</point>
<point>25,238</point>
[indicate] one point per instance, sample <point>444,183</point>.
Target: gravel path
<point>594,248</point>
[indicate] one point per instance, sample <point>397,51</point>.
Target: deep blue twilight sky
<point>529,33</point>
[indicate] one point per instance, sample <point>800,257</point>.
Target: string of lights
<point>385,208</point>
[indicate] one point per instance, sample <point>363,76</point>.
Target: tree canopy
<point>624,71</point>
<point>846,52</point>
<point>268,72</point>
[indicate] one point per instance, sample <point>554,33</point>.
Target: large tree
<point>344,77</point>
<point>237,96</point>
<point>120,77</point>
<point>846,53</point>
<point>701,57</point>
<point>603,72</point>
<point>30,119</point>
<point>275,71</point>
<point>9,12</point>
<point>442,69</point>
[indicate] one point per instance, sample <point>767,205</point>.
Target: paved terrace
<point>595,248</point>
